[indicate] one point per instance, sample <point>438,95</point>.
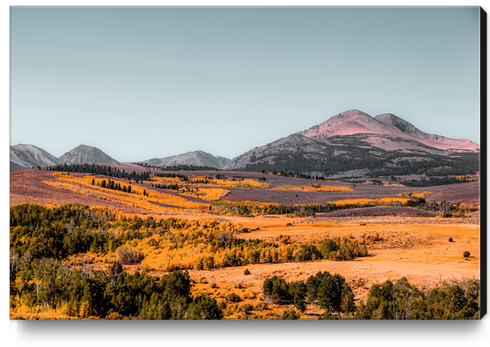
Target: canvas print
<point>245,163</point>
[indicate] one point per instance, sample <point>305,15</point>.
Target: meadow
<point>200,246</point>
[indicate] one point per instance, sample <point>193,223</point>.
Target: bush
<point>249,295</point>
<point>232,297</point>
<point>261,306</point>
<point>447,214</point>
<point>127,255</point>
<point>246,272</point>
<point>466,254</point>
<point>289,315</point>
<point>245,308</point>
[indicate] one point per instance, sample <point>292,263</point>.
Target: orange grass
<point>368,201</point>
<point>313,188</point>
<point>83,185</point>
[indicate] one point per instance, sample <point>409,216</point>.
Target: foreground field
<point>418,251</point>
<point>402,242</point>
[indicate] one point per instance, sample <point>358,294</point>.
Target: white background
<point>235,333</point>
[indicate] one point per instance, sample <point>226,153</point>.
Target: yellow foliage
<point>368,201</point>
<point>386,184</point>
<point>238,184</point>
<point>419,195</point>
<point>209,194</point>
<point>313,188</point>
<point>153,201</point>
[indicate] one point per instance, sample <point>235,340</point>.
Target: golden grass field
<point>414,247</point>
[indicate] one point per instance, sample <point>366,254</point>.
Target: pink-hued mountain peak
<point>349,123</point>
<point>386,126</point>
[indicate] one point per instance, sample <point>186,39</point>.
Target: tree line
<point>389,301</point>
<point>98,169</point>
<point>169,244</point>
<point>330,292</point>
<point>49,284</point>
<point>248,208</point>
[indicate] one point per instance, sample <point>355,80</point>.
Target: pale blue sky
<point>140,83</point>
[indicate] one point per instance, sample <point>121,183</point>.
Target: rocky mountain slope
<point>388,132</point>
<point>26,156</point>
<point>86,155</point>
<point>195,158</point>
<point>354,144</point>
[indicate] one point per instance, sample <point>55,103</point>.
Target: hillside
<point>26,156</point>
<point>195,158</point>
<point>355,145</point>
<point>86,155</point>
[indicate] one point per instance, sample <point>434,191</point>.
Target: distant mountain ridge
<point>27,156</point>
<point>386,125</point>
<point>195,158</point>
<point>350,144</point>
<point>86,155</point>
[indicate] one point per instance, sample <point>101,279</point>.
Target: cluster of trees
<point>330,292</point>
<point>402,300</point>
<point>291,174</point>
<point>248,208</point>
<point>336,249</point>
<point>449,209</point>
<point>71,229</point>
<point>398,301</point>
<point>169,244</point>
<point>453,165</point>
<point>49,284</point>
<point>110,184</point>
<point>97,169</point>
<point>172,175</point>
<point>202,181</point>
<point>208,250</point>
<point>167,186</point>
<point>436,181</point>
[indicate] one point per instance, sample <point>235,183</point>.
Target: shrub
<point>289,315</point>
<point>245,308</point>
<point>246,272</point>
<point>261,306</point>
<point>232,297</point>
<point>212,285</point>
<point>249,295</point>
<point>129,255</point>
<point>447,214</point>
<point>114,316</point>
<point>466,254</point>
<point>203,280</point>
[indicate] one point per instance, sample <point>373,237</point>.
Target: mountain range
<point>195,158</point>
<point>27,156</point>
<point>354,144</point>
<point>350,144</point>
